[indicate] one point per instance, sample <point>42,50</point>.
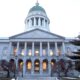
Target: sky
<point>64,16</point>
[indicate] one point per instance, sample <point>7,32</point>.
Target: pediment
<point>36,34</point>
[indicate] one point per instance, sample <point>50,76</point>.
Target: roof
<point>36,33</point>
<point>37,8</point>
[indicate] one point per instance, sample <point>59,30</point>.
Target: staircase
<point>37,78</point>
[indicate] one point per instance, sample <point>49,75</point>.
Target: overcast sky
<point>64,16</point>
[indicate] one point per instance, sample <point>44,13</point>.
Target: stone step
<point>37,78</point>
<point>5,78</point>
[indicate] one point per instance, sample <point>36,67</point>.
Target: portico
<point>36,57</point>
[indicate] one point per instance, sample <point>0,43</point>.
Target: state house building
<point>36,49</point>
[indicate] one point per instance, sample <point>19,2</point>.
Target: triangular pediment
<point>36,34</point>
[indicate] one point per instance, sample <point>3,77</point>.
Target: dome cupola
<point>37,18</point>
<point>37,8</point>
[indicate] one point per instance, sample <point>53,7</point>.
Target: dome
<point>37,8</point>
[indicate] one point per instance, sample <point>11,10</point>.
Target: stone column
<point>40,48</point>
<point>25,47</point>
<point>41,70</point>
<point>56,49</point>
<point>49,67</point>
<point>48,48</point>
<point>17,48</point>
<point>33,49</point>
<point>10,48</point>
<point>34,21</point>
<point>29,22</point>
<point>39,21</point>
<point>32,71</point>
<point>24,67</point>
<point>63,45</point>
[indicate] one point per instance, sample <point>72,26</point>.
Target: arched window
<point>12,65</point>
<point>28,65</point>
<point>37,65</point>
<point>20,65</point>
<point>45,65</point>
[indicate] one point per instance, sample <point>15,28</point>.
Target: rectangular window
<point>36,52</point>
<point>44,52</point>
<point>29,52</point>
<point>51,52</point>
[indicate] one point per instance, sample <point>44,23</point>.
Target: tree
<point>76,56</point>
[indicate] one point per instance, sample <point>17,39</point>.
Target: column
<point>24,67</point>
<point>16,59</point>
<point>40,48</point>
<point>32,71</point>
<point>48,48</point>
<point>41,69</point>
<point>44,22</point>
<point>17,48</point>
<point>56,49</point>
<point>10,48</point>
<point>39,21</point>
<point>25,48</point>
<point>63,46</point>
<point>34,21</point>
<point>32,48</point>
<point>49,67</point>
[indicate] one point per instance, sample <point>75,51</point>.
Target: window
<point>59,51</point>
<point>29,52</point>
<point>51,52</point>
<point>22,52</point>
<point>45,65</point>
<point>15,50</point>
<point>37,52</point>
<point>29,65</point>
<point>37,65</point>
<point>44,52</point>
